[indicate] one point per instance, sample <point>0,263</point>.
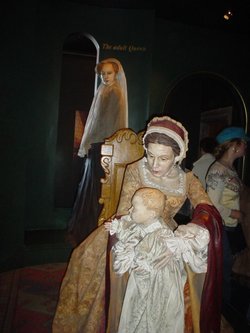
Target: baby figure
<point>155,258</point>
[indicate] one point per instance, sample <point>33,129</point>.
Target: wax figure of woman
<point>108,113</point>
<point>224,187</point>
<point>150,304</point>
<point>91,295</point>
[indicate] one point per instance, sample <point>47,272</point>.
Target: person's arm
<point>193,241</point>
<point>113,226</point>
<point>215,188</point>
<point>236,214</point>
<point>124,249</point>
<point>188,243</point>
<point>195,191</point>
<point>208,217</point>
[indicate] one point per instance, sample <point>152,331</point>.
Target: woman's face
<point>240,149</point>
<point>108,74</point>
<point>160,159</point>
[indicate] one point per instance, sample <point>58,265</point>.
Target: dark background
<point>185,59</point>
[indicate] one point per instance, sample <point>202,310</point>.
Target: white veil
<point>100,124</point>
<point>121,78</point>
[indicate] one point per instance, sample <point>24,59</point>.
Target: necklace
<point>165,188</point>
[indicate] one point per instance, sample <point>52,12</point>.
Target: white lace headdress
<point>171,128</point>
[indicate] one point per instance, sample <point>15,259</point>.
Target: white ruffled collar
<point>181,180</point>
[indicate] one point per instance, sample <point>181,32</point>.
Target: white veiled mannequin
<point>108,112</point>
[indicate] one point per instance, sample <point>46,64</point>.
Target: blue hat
<point>232,133</point>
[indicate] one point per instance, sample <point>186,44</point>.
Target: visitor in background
<point>200,167</point>
<point>224,187</point>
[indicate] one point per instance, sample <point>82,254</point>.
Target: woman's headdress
<point>173,129</point>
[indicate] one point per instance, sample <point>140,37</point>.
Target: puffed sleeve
<point>115,226</point>
<point>124,249</point>
<point>191,243</point>
<point>195,191</point>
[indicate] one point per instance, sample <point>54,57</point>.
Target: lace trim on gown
<point>177,187</point>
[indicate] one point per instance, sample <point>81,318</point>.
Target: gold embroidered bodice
<point>184,185</point>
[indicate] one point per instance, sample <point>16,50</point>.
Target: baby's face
<point>139,212</point>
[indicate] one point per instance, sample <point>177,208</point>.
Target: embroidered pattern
<point>229,178</point>
<point>180,181</point>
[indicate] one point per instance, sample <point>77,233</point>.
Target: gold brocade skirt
<point>81,304</point>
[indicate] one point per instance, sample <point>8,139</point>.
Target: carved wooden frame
<point>123,147</point>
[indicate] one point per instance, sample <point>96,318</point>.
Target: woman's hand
<point>237,214</point>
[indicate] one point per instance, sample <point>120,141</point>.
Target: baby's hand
<point>111,226</point>
<point>107,226</point>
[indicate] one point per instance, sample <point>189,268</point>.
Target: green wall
<point>181,51</point>
<point>154,54</point>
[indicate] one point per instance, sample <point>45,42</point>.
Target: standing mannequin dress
<point>108,113</point>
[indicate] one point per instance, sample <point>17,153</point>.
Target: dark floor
<point>39,247</point>
<point>238,311</point>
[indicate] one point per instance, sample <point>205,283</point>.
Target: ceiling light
<point>228,15</point>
